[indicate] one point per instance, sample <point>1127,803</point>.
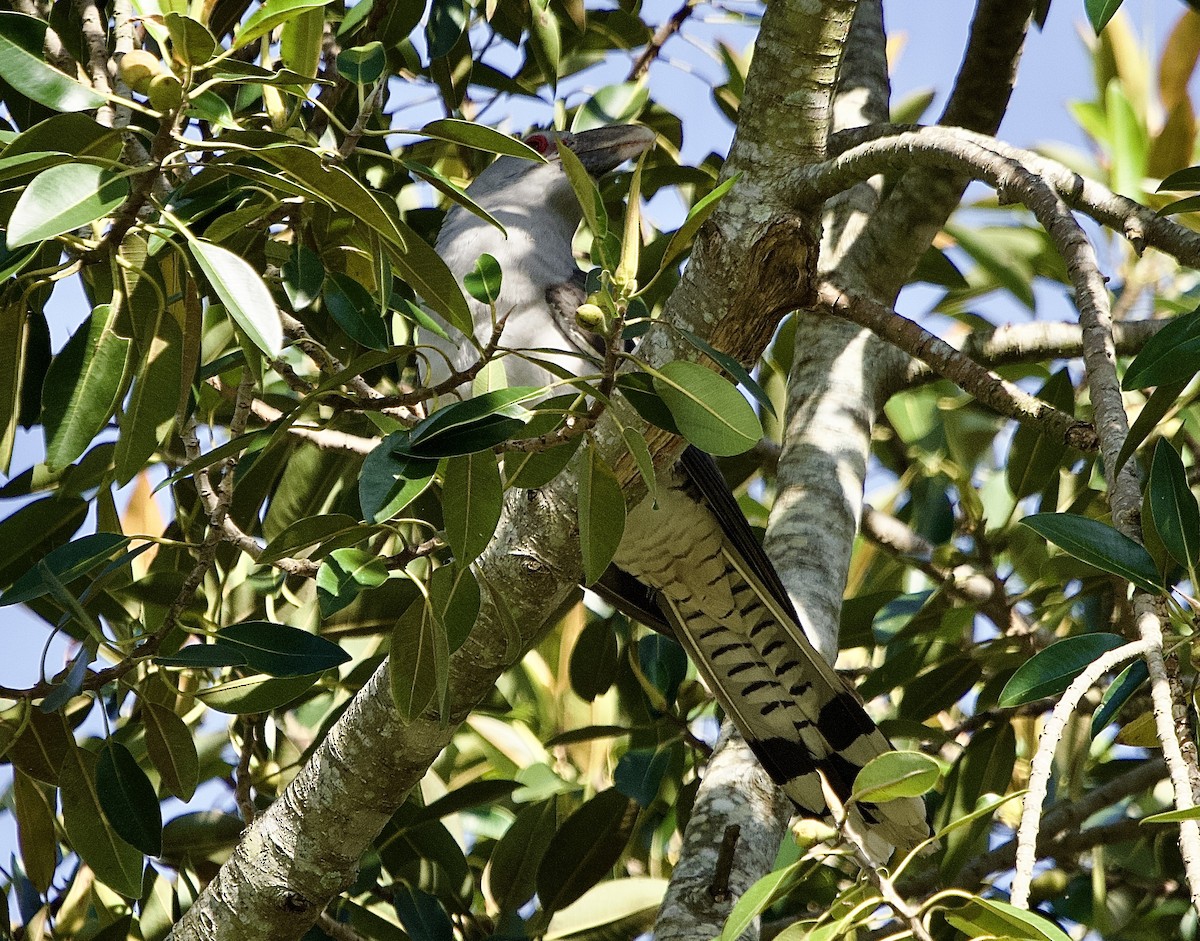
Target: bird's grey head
<point>514,187</point>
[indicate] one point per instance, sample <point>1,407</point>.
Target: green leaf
<point>190,39</point>
<point>82,387</point>
<point>389,481</point>
<point>989,917</point>
<point>150,410</point>
<point>271,14</point>
<point>612,104</point>
<point>62,199</point>
<point>484,280</point>
<point>1099,12</point>
<point>691,225</point>
<point>1173,816</point>
<point>33,807</point>
<point>172,749</point>
<point>303,276</point>
<point>594,660</point>
<point>758,898</point>
<point>585,848</point>
<point>480,137</point>
<point>356,311</point>
<point>587,193</point>
<point>128,798</point>
<point>115,863</point>
<point>639,773</point>
<point>516,857</point>
<point>248,695</point>
<point>1034,458</point>
<point>42,746</point>
<point>421,915</point>
<point>243,293</point>
<point>1171,355</point>
<point>345,574</point>
<point>708,409</point>
<point>1173,505</point>
<point>472,499</point>
<point>418,665</point>
<point>896,774</point>
<point>601,514</point>
<point>1127,683</point>
<point>23,65</point>
<point>455,597</point>
<point>622,908</point>
<point>733,367</point>
<point>1161,401</point>
<point>204,657</point>
<point>478,424</point>
<point>530,470</point>
<point>1097,544</point>
<point>280,650</point>
<point>640,452</point>
<point>1050,671</point>
<point>362,65</point>
<point>67,563</point>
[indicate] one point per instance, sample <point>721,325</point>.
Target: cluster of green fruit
<point>146,75</point>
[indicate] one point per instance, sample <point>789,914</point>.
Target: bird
<point>688,562</point>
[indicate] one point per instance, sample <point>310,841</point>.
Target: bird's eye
<point>539,142</point>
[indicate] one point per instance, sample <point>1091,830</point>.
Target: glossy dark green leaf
<point>758,898</point>
<point>362,65</point>
<point>483,282</point>
<point>190,40</point>
<point>733,367</point>
<point>1128,682</point>
<point>422,915</point>
<point>114,861</point>
<point>1050,671</point>
<point>303,275</point>
<point>23,65</point>
<point>1034,457</point>
<point>472,500</point>
<point>638,388</point>
<point>343,575</point>
<point>593,665</point>
<point>280,650</point>
<point>1173,505</point>
<point>708,409</point>
<point>478,424</point>
<point>531,470</point>
<point>149,412</point>
<point>67,563</point>
<point>356,311</point>
<point>419,660</point>
<point>896,774</point>
<point>454,594</point>
<point>1097,544</point>
<point>204,657</point>
<point>588,195</point>
<point>585,848</point>
<point>601,514</point>
<point>200,835</point>
<point>1099,12</point>
<point>128,798</point>
<point>82,387</point>
<point>447,20</point>
<point>639,773</point>
<point>62,199</point>
<point>1172,355</point>
<point>42,746</point>
<point>389,481</point>
<point>172,748</point>
<point>663,662</point>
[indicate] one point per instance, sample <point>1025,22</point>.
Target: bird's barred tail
<point>807,727</point>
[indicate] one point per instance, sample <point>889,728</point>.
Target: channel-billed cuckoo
<point>690,563</point>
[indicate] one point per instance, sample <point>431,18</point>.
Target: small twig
<point>718,889</point>
<point>241,788</point>
<point>338,931</point>
<point>999,394</point>
<point>655,46</point>
<point>887,888</point>
<point>1043,761</point>
<point>370,106</point>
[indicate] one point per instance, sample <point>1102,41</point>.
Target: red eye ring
<point>539,142</point>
